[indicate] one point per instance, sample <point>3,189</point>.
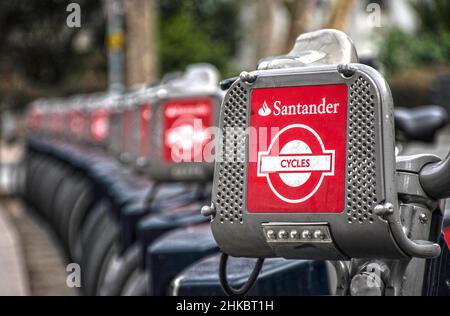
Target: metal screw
<point>346,70</point>
<point>423,218</point>
<point>367,284</point>
<point>208,211</point>
<point>247,77</point>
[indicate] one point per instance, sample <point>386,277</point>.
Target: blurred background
<point>56,48</point>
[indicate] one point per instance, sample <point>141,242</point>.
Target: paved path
<point>13,274</point>
<point>40,257</point>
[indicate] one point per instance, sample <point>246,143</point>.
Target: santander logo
<point>280,109</point>
<point>264,110</point>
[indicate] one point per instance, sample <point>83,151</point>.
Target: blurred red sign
<point>99,125</point>
<point>144,139</point>
<point>186,129</point>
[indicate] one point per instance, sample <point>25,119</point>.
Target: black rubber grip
<point>226,83</point>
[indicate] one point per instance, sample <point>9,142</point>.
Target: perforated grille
<point>230,196</point>
<point>361,155</point>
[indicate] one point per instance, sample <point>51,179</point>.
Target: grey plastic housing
<point>357,232</point>
<point>164,171</point>
<point>198,81</point>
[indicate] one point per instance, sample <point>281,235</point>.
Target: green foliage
<point>197,31</point>
<point>434,15</point>
<point>431,45</point>
<point>37,49</point>
<point>36,41</point>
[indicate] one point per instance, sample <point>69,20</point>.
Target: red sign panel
<point>447,236</point>
<point>297,150</point>
<point>144,137</point>
<point>99,125</point>
<point>186,130</point>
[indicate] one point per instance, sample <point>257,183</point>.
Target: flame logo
<point>265,110</point>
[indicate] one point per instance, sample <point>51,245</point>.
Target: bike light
<point>184,112</point>
<point>306,165</point>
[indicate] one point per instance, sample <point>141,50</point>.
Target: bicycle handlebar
<point>435,179</point>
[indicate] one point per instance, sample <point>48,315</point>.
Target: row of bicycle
<point>122,179</point>
<point>124,210</point>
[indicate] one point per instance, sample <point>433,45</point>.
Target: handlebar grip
<point>435,179</point>
<point>226,83</point>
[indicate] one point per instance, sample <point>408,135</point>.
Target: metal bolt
<point>367,284</point>
<point>208,211</point>
<point>306,234</point>
<point>282,234</point>
<point>385,209</point>
<point>247,77</point>
<point>423,218</point>
<point>271,235</point>
<point>346,70</point>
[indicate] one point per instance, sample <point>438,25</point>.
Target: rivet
<point>247,77</point>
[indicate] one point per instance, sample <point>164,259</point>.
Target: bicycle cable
<point>244,288</point>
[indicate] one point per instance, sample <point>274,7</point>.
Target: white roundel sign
<point>296,172</point>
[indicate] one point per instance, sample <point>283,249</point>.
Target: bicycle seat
<point>421,124</point>
<point>323,47</point>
